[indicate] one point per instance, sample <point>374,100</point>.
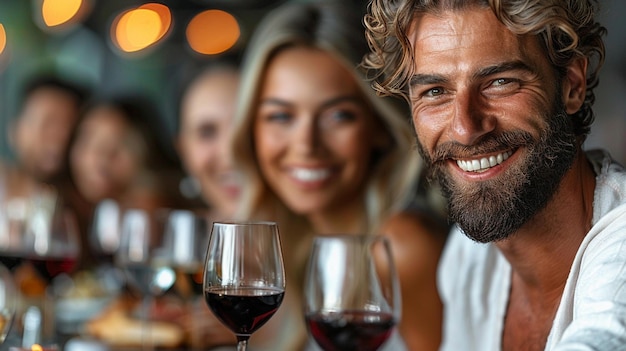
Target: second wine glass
<point>352,295</point>
<point>146,259</point>
<point>244,276</point>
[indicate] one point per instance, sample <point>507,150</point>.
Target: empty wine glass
<point>244,276</point>
<point>187,236</point>
<point>105,228</point>
<point>8,296</point>
<point>146,260</point>
<point>352,295</point>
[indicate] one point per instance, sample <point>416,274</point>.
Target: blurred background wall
<point>34,39</point>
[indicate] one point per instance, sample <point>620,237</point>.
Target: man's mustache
<point>489,144</point>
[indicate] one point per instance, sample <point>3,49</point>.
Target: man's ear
<point>575,85</point>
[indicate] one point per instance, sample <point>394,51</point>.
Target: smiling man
<point>501,94</point>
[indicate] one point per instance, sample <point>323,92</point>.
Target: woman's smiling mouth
<point>310,174</point>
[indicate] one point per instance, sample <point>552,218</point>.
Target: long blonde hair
<point>338,31</point>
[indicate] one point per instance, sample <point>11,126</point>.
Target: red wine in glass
<point>50,267</point>
<point>244,276</point>
<point>350,330</point>
<point>244,310</point>
<point>352,294</point>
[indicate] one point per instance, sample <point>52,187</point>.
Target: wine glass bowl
<point>105,228</point>
<point>352,296</point>
<point>142,255</point>
<point>187,236</point>
<point>244,276</point>
<point>53,244</point>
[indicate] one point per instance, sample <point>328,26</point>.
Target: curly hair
<point>567,29</point>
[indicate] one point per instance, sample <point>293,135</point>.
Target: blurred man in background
<point>40,133</point>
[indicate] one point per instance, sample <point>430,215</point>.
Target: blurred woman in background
<point>117,154</point>
<point>204,136</point>
<point>322,154</point>
<point>203,142</point>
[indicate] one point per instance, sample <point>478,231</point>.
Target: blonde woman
<point>321,154</point>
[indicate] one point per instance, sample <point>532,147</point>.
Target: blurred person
<point>502,96</point>
<point>203,142</point>
<point>39,136</point>
<point>204,137</point>
<point>117,154</point>
<point>322,154</point>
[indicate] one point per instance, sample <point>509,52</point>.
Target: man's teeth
<point>310,175</point>
<point>483,164</point>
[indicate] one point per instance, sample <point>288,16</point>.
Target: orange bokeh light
<point>212,32</point>
<point>3,39</point>
<point>138,28</point>
<point>165,15</point>
<point>57,12</point>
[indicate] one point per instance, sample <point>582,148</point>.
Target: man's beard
<point>492,210</point>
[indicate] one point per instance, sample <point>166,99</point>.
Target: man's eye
<point>433,92</point>
<point>501,81</point>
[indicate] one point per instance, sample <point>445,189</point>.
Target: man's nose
<point>471,118</point>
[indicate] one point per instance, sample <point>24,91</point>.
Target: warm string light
<point>212,32</point>
<point>3,39</point>
<point>138,28</point>
<point>58,12</point>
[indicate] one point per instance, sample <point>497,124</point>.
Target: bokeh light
<point>165,15</point>
<point>139,28</point>
<point>3,39</point>
<point>58,12</point>
<point>212,32</point>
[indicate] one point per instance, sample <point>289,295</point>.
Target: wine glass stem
<point>242,344</point>
<point>146,337</point>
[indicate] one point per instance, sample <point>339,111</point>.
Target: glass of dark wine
<point>51,241</point>
<point>8,301</point>
<point>12,223</point>
<point>352,295</point>
<point>244,276</point>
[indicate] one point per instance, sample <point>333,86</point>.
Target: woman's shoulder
<point>414,224</point>
<point>415,235</point>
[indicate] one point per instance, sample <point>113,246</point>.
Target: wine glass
<point>244,276</point>
<point>352,295</point>
<point>146,260</point>
<point>186,235</point>
<point>12,223</point>
<point>105,228</point>
<point>51,241</point>
<point>8,296</point>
